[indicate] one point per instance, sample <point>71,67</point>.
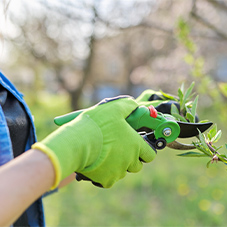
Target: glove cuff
<point>72,147</point>
<point>53,158</point>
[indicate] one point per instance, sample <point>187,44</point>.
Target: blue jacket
<point>35,211</point>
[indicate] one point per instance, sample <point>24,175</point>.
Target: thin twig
<point>212,149</point>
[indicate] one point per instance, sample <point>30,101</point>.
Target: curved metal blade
<point>180,146</point>
<point>191,129</point>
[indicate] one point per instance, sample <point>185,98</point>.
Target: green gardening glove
<point>99,144</point>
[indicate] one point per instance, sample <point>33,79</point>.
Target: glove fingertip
<point>147,154</point>
<point>135,167</point>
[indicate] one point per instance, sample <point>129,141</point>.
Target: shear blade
<point>191,129</point>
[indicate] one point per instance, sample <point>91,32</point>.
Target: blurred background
<point>67,55</point>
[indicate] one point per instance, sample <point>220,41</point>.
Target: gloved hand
<point>99,144</point>
<point>161,103</point>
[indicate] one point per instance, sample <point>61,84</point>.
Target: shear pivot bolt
<point>167,132</point>
<point>160,144</point>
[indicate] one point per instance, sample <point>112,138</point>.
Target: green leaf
<point>194,107</point>
<point>189,90</point>
<point>192,154</point>
<point>168,96</point>
<point>212,132</point>
<point>198,147</point>
<point>182,88</point>
<point>187,109</point>
<point>204,121</point>
<point>204,145</point>
<point>190,117</point>
<point>203,149</point>
<point>186,95</point>
<point>209,136</point>
<point>191,96</point>
<point>181,96</point>
<point>208,164</point>
<point>202,139</point>
<point>189,104</point>
<point>218,148</point>
<point>174,109</point>
<point>179,117</point>
<point>216,137</point>
<point>222,158</point>
<point>225,153</point>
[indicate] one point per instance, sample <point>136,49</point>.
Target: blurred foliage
<point>223,88</point>
<point>45,107</point>
<point>205,84</point>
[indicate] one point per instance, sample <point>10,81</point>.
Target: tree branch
<point>218,4</point>
<point>206,23</point>
<point>193,6</point>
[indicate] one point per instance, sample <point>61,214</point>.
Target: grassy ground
<point>170,191</point>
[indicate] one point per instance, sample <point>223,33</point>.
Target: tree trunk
<point>76,94</point>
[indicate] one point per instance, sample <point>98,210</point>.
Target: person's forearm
<point>67,180</point>
<point>22,181</point>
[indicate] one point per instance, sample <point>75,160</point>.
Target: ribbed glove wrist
<point>72,148</point>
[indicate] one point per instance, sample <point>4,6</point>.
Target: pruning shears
<point>161,130</point>
<point>158,130</point>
